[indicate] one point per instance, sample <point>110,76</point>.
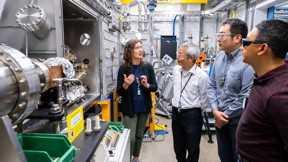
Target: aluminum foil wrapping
<point>75,92</point>
<point>67,66</point>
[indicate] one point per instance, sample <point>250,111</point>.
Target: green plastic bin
<point>119,126</point>
<point>39,147</point>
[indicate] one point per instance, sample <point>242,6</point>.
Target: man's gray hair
<point>192,50</point>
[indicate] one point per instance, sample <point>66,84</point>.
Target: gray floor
<point>163,151</point>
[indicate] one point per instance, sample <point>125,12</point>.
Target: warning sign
<point>75,123</point>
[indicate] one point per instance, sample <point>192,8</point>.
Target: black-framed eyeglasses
<point>247,43</point>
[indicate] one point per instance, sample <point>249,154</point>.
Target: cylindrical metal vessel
<point>8,89</point>
<point>20,86</point>
<point>32,18</point>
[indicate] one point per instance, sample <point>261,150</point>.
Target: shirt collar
<point>233,54</point>
<point>192,70</point>
<point>271,74</point>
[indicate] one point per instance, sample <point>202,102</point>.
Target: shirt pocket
<point>193,87</point>
<point>234,80</point>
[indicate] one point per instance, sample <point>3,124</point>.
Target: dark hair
<point>275,33</point>
<point>237,26</point>
<point>128,51</point>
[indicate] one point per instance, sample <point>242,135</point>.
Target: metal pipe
<point>145,10</point>
<point>26,44</point>
<point>173,34</point>
<point>246,10</point>
<point>56,127</point>
<point>201,25</point>
<point>181,29</point>
<point>145,20</point>
<point>151,34</point>
<point>216,30</point>
<point>139,16</point>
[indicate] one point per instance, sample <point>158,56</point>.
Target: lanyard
<point>138,87</point>
<point>183,87</point>
<point>228,61</point>
<point>138,79</point>
<point>185,83</point>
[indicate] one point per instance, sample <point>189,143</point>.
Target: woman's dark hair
<point>128,51</point>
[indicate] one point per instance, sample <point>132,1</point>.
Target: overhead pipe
<point>145,19</point>
<point>173,34</point>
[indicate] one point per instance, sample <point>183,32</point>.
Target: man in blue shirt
<point>228,85</point>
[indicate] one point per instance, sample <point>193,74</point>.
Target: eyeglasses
<point>138,47</point>
<point>179,54</point>
<point>223,35</point>
<point>247,43</point>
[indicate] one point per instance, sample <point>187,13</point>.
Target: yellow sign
<point>75,123</point>
<point>126,1</point>
<point>182,1</point>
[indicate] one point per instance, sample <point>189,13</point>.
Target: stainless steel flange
<point>32,18</point>
<point>20,84</point>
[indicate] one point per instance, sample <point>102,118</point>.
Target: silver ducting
<point>32,18</point>
<point>21,85</point>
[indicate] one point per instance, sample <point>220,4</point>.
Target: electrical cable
<point>157,120</point>
<point>108,136</point>
<point>112,126</point>
<point>160,139</point>
<point>162,128</point>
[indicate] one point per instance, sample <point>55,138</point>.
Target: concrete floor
<point>163,151</point>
